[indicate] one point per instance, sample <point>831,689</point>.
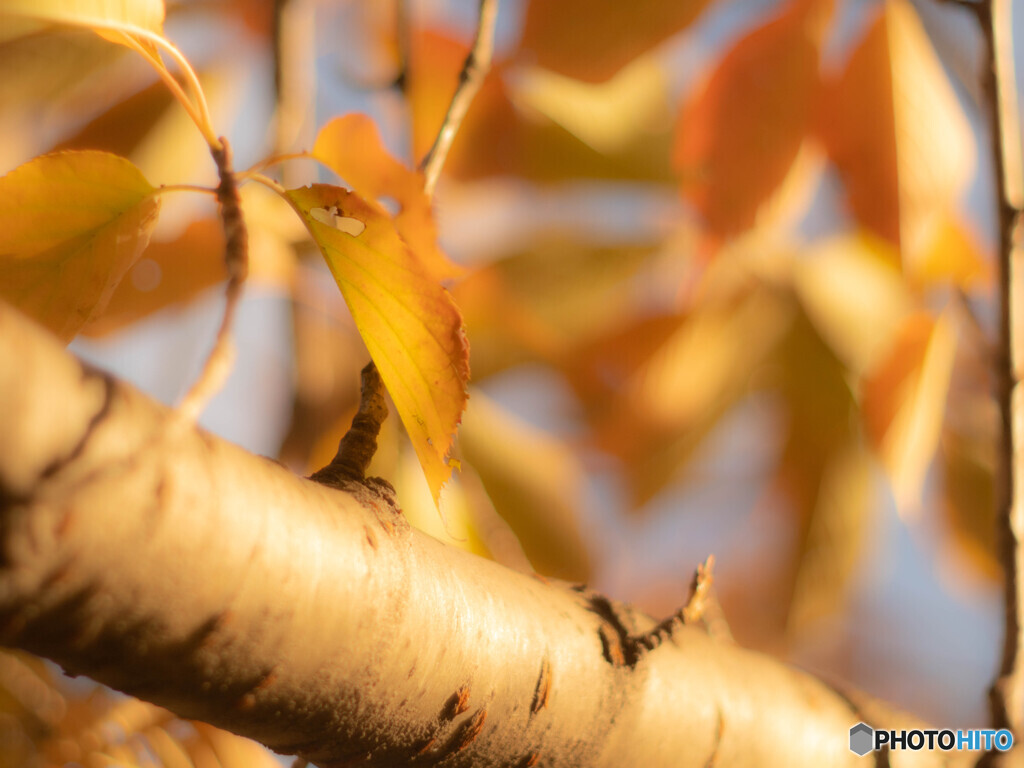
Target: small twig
<point>689,614</point>
<point>356,449</point>
<point>1007,693</point>
<point>700,589</point>
<point>474,70</point>
<point>236,258</point>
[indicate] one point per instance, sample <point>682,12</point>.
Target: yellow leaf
<point>408,321</point>
<point>949,253</point>
<point>904,400</point>
<point>591,41</point>
<point>834,538</point>
<point>71,226</point>
<point>351,147</point>
<point>535,483</point>
<point>124,15</point>
<point>967,454</point>
<point>855,297</point>
<point>606,116</point>
<point>460,526</point>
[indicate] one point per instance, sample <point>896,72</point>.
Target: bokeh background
<point>729,284</point>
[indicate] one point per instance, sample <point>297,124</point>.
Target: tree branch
<point>1007,693</point>
<point>178,568</point>
<point>474,70</point>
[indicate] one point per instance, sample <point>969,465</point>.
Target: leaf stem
<point>198,109</point>
<point>265,181</point>
<point>359,444</point>
<point>474,70</point>
<point>266,163</point>
<point>184,188</point>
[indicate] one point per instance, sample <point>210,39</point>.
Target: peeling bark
<point>176,567</point>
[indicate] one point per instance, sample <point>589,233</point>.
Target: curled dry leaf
<point>72,225</point>
<point>408,321</point>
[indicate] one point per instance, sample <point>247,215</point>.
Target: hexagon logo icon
<point>862,738</point>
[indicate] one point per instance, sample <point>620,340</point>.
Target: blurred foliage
<point>800,237</point>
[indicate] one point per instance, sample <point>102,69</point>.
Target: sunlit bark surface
<point>174,566</point>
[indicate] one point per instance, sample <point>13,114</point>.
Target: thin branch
<point>357,446</point>
<point>236,258</point>
<point>474,70</point>
<point>1007,693</point>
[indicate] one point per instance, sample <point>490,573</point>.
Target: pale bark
<point>1007,693</point>
<point>175,566</point>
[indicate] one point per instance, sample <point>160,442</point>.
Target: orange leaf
<point>738,136</point>
<point>122,127</point>
<point>950,254</point>
<point>169,272</point>
<point>907,166</point>
<point>591,40</point>
<point>864,150</point>
<point>491,122</point>
<point>71,226</point>
<point>408,321</point>
<point>351,147</point>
